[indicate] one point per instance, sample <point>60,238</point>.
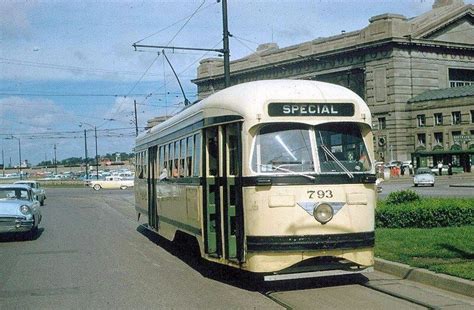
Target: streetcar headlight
<point>323,213</point>
<point>25,210</point>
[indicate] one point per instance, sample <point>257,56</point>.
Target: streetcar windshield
<point>283,148</point>
<point>295,148</point>
<point>341,148</point>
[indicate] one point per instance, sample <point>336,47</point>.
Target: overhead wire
<point>146,71</point>
<point>175,23</point>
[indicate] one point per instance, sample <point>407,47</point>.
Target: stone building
<point>389,63</point>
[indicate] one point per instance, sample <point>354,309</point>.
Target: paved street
<point>461,185</point>
<point>92,254</point>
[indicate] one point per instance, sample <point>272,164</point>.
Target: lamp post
<point>96,154</point>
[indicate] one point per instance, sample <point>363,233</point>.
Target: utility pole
<point>85,154</point>
<point>225,51</point>
<point>136,119</point>
<point>55,161</point>
<point>96,156</point>
<point>3,162</point>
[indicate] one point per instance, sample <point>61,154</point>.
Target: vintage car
<point>424,176</point>
<point>111,182</point>
<point>37,190</point>
<point>19,210</point>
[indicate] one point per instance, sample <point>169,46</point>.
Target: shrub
<point>399,197</point>
<point>425,213</point>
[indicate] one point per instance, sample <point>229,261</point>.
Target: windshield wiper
<point>334,158</point>
<point>290,171</point>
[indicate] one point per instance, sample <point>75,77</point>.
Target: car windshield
<point>423,171</point>
<point>297,148</point>
<point>14,193</point>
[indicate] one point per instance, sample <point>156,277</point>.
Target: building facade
<point>388,63</point>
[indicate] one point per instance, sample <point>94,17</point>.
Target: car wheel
<point>97,187</point>
<point>123,187</point>
<point>432,185</point>
<point>416,185</point>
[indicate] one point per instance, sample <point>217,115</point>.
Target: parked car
<point>37,190</point>
<point>444,170</point>
<point>111,182</point>
<point>19,210</point>
<point>424,176</point>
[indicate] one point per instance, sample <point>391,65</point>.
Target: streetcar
<point>274,177</point>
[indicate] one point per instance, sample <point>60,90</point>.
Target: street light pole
<point>85,154</point>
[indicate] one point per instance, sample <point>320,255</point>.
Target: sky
<point>68,66</point>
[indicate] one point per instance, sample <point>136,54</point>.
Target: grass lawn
<point>448,250</point>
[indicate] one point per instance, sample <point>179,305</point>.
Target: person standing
<point>440,167</point>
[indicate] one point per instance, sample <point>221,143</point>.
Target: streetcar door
<point>212,210</point>
<point>231,189</point>
<point>152,176</point>
<point>223,195</point>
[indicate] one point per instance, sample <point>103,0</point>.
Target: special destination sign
<point>310,109</point>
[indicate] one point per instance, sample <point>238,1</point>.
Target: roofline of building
<point>407,41</point>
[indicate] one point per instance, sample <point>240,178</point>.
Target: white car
<point>424,176</point>
<point>111,182</point>
<point>37,190</point>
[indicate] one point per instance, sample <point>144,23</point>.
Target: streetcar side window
<point>182,157</point>
<point>197,155</point>
<point>176,160</point>
<point>189,156</point>
<point>170,160</point>
<point>145,164</point>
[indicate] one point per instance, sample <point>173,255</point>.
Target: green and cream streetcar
<point>273,177</point>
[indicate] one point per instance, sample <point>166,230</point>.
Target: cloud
<point>29,115</point>
<point>14,23</point>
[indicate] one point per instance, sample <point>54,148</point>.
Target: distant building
<point>404,68</point>
<point>155,121</point>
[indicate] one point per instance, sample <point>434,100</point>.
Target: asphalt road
<point>443,186</point>
<point>91,253</point>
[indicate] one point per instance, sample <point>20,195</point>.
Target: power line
<point>177,22</point>
<point>64,67</point>
<point>66,95</point>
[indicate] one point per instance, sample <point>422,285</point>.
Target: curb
<point>438,280</point>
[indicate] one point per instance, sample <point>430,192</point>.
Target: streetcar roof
<point>249,101</point>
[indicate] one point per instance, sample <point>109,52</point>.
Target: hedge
<point>425,213</point>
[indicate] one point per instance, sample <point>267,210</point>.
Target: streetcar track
<point>276,300</point>
<point>399,296</point>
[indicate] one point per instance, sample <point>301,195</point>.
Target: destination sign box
<point>310,109</point>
